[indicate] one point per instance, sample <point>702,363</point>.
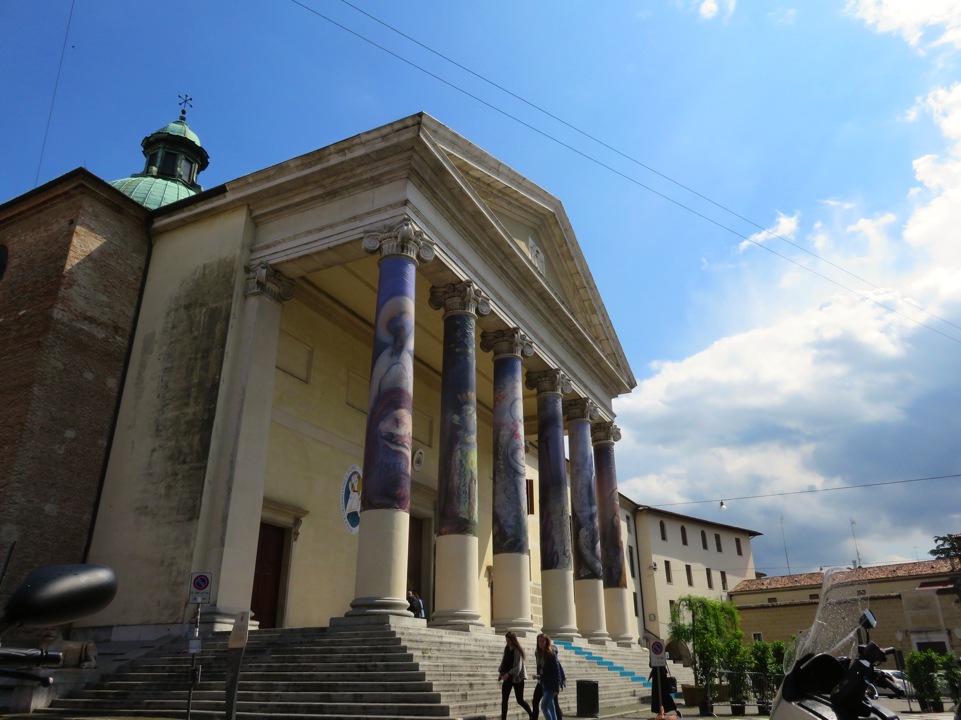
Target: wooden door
<point>265,599</point>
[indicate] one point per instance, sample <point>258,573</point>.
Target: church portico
<point>383,401</point>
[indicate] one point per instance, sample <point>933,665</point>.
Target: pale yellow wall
<point>317,432</point>
<point>152,490</point>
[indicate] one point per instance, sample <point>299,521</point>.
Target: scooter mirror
<point>868,621</point>
<point>59,594</point>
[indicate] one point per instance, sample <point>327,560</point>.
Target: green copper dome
<point>175,158</point>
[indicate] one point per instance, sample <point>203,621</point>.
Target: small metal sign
<point>658,656</point>
<point>200,585</point>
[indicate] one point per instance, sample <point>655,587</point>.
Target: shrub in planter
<point>922,669</point>
<point>705,626</point>
<point>767,670</point>
<point>738,662</point>
<point>951,672</point>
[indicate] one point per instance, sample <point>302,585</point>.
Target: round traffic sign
<point>657,647</point>
<point>201,582</point>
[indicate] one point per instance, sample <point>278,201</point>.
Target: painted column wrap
<point>612,544</point>
<point>584,523</point>
<point>387,445</point>
<point>552,486</point>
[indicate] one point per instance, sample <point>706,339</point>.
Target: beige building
<point>327,383</point>
<point>916,605</point>
<point>671,555</point>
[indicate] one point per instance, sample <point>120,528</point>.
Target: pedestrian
<point>414,604</point>
<point>549,676</point>
<point>661,699</point>
<point>512,675</point>
<point>543,645</point>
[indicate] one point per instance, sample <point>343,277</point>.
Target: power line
<point>53,99</point>
<point>647,167</point>
<point>811,490</point>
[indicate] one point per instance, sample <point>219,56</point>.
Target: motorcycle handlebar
<point>30,657</point>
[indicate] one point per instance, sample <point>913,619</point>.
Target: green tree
<point>949,548</point>
<point>922,669</point>
<point>705,625</point>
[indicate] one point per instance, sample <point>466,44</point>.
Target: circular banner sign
<point>350,498</point>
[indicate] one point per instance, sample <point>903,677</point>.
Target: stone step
<point>98,705</point>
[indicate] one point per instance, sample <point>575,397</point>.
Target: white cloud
<point>785,227</point>
<point>824,390</point>
<point>709,9</point>
<point>912,19</point>
<point>783,16</point>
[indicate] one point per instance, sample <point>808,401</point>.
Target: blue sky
<point>837,124</point>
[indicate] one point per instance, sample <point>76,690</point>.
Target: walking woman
<point>549,676</point>
<point>544,644</point>
<point>512,674</point>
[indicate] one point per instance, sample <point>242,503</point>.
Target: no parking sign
<point>658,656</point>
<point>200,584</point>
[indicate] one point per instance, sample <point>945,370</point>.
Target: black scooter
<point>52,595</point>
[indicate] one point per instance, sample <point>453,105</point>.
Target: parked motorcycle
<point>52,595</point>
<point>831,673</point>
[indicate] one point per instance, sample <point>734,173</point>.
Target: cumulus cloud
<point>785,227</point>
<point>837,389</point>
<point>709,9</point>
<point>913,20</point>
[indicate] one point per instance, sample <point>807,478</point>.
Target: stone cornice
<point>463,298</point>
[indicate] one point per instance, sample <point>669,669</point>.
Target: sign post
<point>199,592</point>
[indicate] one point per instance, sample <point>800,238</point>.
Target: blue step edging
<point>601,662</point>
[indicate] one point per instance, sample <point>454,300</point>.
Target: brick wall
<point>68,300</point>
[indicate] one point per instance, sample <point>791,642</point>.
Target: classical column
<point>512,568</point>
<point>455,595</point>
<point>557,568</point>
<point>588,589</point>
<point>616,595</point>
<point>380,584</point>
<point>234,498</point>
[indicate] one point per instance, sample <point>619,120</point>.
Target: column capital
<point>263,279</point>
<point>581,409</point>
<point>405,239</point>
<point>507,342</point>
<point>605,432</point>
<point>548,381</point>
<point>463,298</point>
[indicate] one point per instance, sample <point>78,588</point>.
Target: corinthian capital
<point>581,409</point>
<point>507,342</point>
<point>605,432</point>
<point>463,298</point>
<point>405,239</point>
<point>272,283</point>
<point>548,381</point>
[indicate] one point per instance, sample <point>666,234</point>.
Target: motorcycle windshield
<point>842,604</point>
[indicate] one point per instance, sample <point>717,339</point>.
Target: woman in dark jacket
<point>544,644</point>
<point>549,678</point>
<point>512,675</point>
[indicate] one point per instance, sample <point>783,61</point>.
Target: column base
<point>379,606</point>
<point>522,627</point>
<point>447,618</point>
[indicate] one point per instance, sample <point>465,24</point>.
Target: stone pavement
<point>901,707</point>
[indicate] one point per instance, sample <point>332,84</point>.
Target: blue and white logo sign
<point>350,498</point>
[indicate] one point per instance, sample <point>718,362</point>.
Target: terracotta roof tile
<point>936,566</point>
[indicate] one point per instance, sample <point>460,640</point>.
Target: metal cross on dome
<point>185,102</point>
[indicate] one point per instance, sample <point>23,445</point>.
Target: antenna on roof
<point>185,102</point>
<point>784,540</point>
<point>857,553</point>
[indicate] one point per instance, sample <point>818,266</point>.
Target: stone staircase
<point>393,668</point>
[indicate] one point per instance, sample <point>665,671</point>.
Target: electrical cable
<point>810,490</point>
<point>53,100</point>
<point>637,182</point>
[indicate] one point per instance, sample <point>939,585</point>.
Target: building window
<point>737,545</point>
<point>630,558</point>
<point>635,604</point>
<point>771,600</point>
<point>683,535</point>
<point>168,164</point>
<point>723,581</point>
<point>710,578</point>
<point>690,575</point>
<point>667,572</point>
<point>758,637</point>
<point>627,521</point>
<point>663,531</point>
<point>530,496</point>
<point>187,170</point>
<point>703,539</point>
<point>670,606</point>
<point>717,541</point>
<point>814,596</point>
